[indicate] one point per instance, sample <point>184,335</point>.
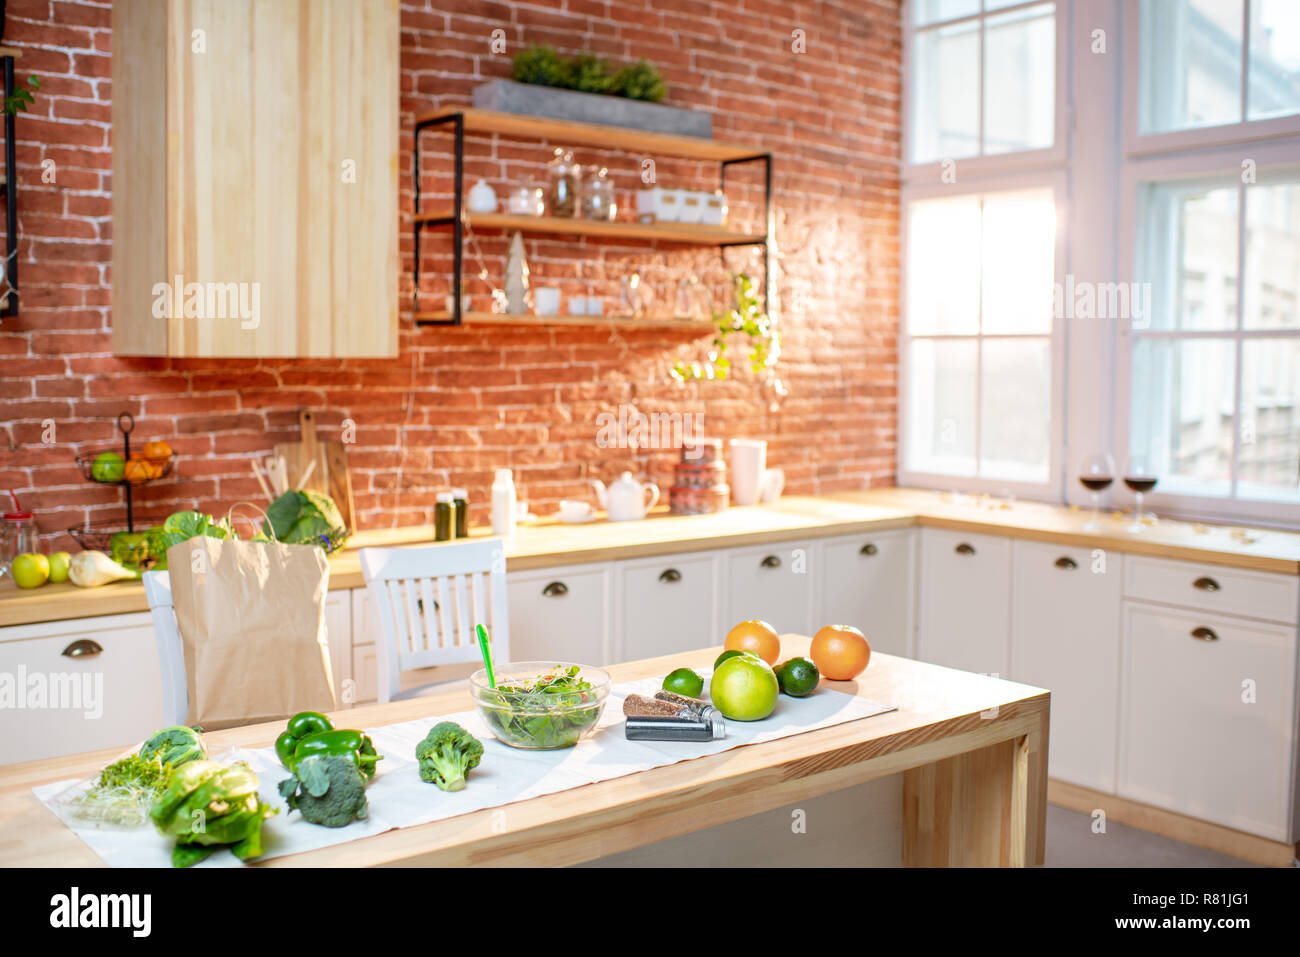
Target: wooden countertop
<point>549,543</point>
<point>942,713</point>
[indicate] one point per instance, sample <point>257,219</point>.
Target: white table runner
<point>398,798</point>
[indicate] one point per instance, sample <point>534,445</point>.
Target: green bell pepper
<point>300,726</point>
<point>346,743</point>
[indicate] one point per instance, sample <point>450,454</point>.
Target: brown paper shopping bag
<point>252,624</point>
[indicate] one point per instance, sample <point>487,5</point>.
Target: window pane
<point>1191,64</point>
<point>1020,80</point>
<point>1182,412</point>
<point>1272,285</point>
<point>1015,409</point>
<point>1274,59</point>
<point>1189,256</point>
<point>1019,254</point>
<point>941,406</point>
<point>932,11</point>
<point>945,93</point>
<point>1268,464</point>
<point>943,266</point>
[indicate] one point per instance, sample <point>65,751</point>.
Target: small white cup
<point>572,510</point>
<point>547,300</point>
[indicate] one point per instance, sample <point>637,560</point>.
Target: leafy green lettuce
<point>305,518</point>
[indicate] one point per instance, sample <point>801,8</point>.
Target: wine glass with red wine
<point>1096,473</point>
<point>1140,479</point>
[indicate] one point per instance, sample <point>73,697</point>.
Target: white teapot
<point>625,499</point>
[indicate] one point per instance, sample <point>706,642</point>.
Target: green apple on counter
<point>30,570</point>
<point>59,562</point>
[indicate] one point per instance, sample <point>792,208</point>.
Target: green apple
<point>31,570</point>
<point>108,467</point>
<point>59,566</point>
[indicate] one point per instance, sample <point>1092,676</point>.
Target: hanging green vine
<point>745,316</point>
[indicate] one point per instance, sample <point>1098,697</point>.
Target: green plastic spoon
<point>487,654</point>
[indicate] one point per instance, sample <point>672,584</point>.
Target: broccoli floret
<point>327,789</point>
<point>447,754</point>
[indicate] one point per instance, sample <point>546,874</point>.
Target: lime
<point>685,681</point>
<point>744,688</point>
<point>729,653</point>
<point>798,677</point>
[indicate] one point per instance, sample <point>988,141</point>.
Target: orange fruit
<point>756,635</point>
<point>841,652</point>
<point>157,450</point>
<point>137,471</point>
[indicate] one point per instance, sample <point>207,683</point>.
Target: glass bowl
<point>524,716</point>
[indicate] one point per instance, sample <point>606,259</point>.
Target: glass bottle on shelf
<point>562,190</point>
<point>598,195</point>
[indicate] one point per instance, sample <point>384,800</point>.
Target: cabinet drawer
<point>866,581</point>
<point>561,614</point>
<point>64,702</point>
<point>1213,588</point>
<point>773,583</point>
<point>666,605</point>
<point>1207,727</point>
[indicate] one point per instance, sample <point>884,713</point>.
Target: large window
<point>978,336</point>
<point>1215,399</point>
<point>983,80</point>
<point>1214,372</point>
<point>981,373</point>
<point>1217,62</point>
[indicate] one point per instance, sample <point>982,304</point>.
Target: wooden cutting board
<point>330,476</point>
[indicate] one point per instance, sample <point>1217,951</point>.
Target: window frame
<point>1050,489</point>
<point>983,164</point>
<point>1225,161</point>
<point>1138,144</point>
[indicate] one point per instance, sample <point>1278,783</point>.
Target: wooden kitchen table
<point>972,751</point>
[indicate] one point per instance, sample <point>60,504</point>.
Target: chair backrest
<point>171,656</point>
<point>429,599</point>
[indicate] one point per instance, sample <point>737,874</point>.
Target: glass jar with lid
<point>598,195</point>
<point>17,537</point>
<point>562,184</point>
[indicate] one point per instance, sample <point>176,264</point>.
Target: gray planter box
<point>507,96</point>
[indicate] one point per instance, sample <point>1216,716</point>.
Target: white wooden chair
<point>171,656</point>
<point>429,600</point>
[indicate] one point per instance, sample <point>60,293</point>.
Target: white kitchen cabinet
<point>338,631</point>
<point>1208,717</point>
<point>666,604</point>
<point>867,581</point>
<point>561,614</point>
<point>1065,636</point>
<point>771,582</point>
<point>965,600</point>
<point>78,685</point>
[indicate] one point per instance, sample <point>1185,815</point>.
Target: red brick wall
<point>458,402</point>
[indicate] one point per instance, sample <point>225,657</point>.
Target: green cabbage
<point>305,518</point>
<point>208,805</point>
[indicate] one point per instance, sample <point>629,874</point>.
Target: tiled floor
<point>1071,843</point>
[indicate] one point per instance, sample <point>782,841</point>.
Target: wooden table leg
<point>984,808</point>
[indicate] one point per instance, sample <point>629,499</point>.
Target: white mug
<point>748,460</point>
<point>547,300</point>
